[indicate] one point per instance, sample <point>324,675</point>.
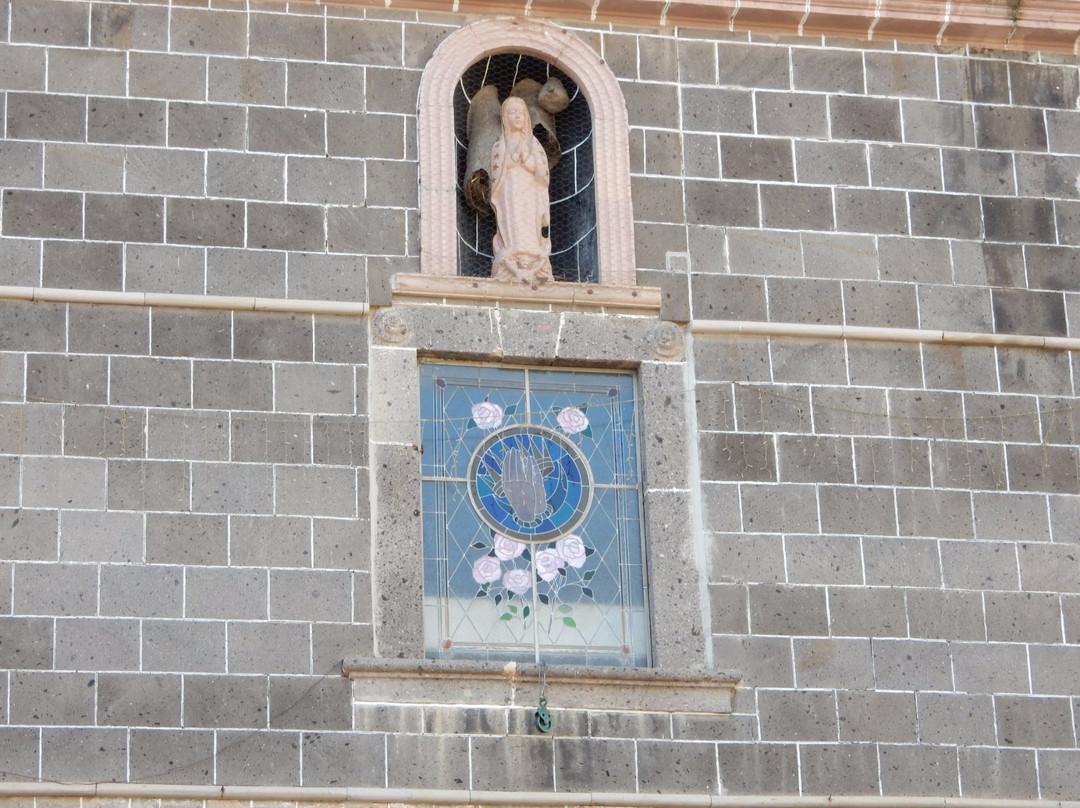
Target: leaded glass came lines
<point>566,596</point>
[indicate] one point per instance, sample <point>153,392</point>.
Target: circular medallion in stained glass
<point>530,483</point>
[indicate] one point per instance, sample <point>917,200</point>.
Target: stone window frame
<point>438,156</point>
<point>486,331</point>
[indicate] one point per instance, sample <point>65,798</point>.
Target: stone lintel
<point>510,684</point>
<point>556,296</point>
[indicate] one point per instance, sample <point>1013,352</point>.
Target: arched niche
<point>438,158</point>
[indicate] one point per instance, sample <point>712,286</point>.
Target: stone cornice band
<point>607,298</point>
<point>1022,25</point>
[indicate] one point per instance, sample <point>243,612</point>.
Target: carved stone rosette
<point>390,326</point>
<point>667,341</point>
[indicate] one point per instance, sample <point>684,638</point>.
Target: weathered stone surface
<point>867,612</point>
<point>867,715</point>
<point>180,645</point>
<point>138,700</point>
<point>918,770</point>
<point>327,755</point>
<point>833,663</point>
<point>263,758</point>
<point>755,768</point>
<point>839,769</point>
<point>142,591</point>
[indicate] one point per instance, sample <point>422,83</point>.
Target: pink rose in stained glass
<point>572,420</point>
<point>487,415</point>
<point>572,550</point>
<point>486,569</point>
<point>548,564</point>
<point>518,581</point>
<point>507,549</point>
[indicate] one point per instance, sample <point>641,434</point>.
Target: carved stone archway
<point>438,163</point>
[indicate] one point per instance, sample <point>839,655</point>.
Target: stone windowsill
<point>415,288</point>
<point>510,684</point>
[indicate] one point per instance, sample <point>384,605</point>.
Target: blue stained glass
<point>529,483</point>
<point>532,515</point>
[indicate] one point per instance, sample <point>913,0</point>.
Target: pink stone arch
<point>438,163</point>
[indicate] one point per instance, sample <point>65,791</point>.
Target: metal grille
<point>573,210</point>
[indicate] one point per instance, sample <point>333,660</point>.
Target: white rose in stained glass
<point>572,550</point>
<point>486,569</point>
<point>487,415</point>
<point>572,420</point>
<point>548,564</point>
<point>517,581</point>
<point>507,549</point>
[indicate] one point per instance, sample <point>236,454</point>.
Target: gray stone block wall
<point>184,540</point>
<point>900,575</point>
<point>263,152</point>
<point>888,532</point>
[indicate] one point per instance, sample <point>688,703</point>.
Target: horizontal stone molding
<point>512,684</point>
<point>874,334</point>
<point>37,294</point>
<point>1031,25</point>
<point>580,297</point>
<point>561,296</point>
<point>495,799</point>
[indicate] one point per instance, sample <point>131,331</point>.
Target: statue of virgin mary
<point>519,195</point>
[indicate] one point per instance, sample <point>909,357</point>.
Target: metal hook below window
<point>542,717</point>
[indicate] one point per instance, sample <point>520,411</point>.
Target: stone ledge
<point>413,288</point>
<point>45,294</point>
<point>199,796</point>
<point>511,684</point>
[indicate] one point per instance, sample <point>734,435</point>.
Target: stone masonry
<point>886,531</point>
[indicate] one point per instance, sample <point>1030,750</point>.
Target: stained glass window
<point>533,540</point>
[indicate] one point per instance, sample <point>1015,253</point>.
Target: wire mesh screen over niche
<point>573,209</point>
